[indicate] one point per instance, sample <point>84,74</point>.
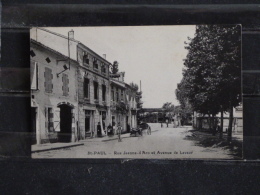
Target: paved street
<point>163,143</point>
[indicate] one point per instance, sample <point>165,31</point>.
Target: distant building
<point>202,122</point>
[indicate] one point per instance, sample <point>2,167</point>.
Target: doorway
<point>87,123</point>
<point>65,123</point>
<point>33,125</point>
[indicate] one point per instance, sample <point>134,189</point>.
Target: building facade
<point>93,89</point>
<point>54,98</point>
<point>73,91</point>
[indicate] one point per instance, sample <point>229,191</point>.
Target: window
<point>85,59</point>
<point>103,68</point>
<point>34,75</point>
<point>65,84</point>
<point>49,119</point>
<point>112,94</point>
<point>48,80</point>
<point>122,95</point>
<point>104,93</point>
<point>117,98</point>
<point>95,90</point>
<point>95,62</point>
<point>86,88</point>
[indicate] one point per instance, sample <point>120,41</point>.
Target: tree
<point>115,67</point>
<point>134,86</point>
<point>212,75</point>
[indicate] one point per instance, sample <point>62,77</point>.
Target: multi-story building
<point>54,98</point>
<point>132,105</point>
<point>93,89</point>
<point>72,91</point>
<point>119,107</point>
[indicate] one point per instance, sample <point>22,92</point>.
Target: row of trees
<point>211,80</point>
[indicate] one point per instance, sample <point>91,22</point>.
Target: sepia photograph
<point>136,92</point>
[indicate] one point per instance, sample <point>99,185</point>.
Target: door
<point>65,124</point>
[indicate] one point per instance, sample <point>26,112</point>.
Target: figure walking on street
<point>99,133</point>
<point>119,130</point>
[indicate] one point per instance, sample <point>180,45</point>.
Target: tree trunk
<point>229,137</point>
<point>221,125</point>
<point>209,121</point>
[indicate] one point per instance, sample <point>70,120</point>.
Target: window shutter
<point>56,119</point>
<point>46,118</point>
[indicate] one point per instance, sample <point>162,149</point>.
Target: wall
<point>55,41</point>
<point>43,99</point>
<point>94,75</point>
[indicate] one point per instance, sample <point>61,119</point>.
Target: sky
<point>150,54</point>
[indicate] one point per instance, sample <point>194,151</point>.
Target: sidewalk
<point>105,138</point>
<point>53,146</point>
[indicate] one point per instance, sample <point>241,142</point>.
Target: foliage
<point>212,75</point>
<point>115,67</point>
<point>122,107</point>
<point>134,86</point>
<point>168,106</point>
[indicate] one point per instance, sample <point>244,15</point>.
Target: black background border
<point>22,175</point>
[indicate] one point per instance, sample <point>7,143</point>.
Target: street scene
<point>146,92</point>
<point>162,143</point>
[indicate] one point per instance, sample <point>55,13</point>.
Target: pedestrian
<point>99,133</point>
<point>119,130</point>
<point>109,129</point>
<point>114,127</point>
<point>161,125</point>
<point>104,126</point>
<point>128,128</point>
<point>149,131</point>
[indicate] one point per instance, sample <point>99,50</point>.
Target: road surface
<point>163,143</point>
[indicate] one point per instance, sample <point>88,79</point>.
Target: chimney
<point>104,56</point>
<point>71,34</point>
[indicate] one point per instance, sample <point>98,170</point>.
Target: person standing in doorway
<point>109,130</point>
<point>119,130</point>
<point>104,126</point>
<point>99,133</point>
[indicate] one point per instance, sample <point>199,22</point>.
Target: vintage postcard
<point>138,92</point>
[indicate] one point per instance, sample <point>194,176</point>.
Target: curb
<point>60,147</point>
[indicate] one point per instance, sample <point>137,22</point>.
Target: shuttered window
<point>95,90</point>
<point>104,92</point>
<point>49,119</point>
<point>65,84</point>
<point>34,75</point>
<point>112,94</point>
<point>86,88</point>
<point>48,76</point>
<point>86,59</point>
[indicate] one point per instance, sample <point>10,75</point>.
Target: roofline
<point>52,50</point>
<point>57,34</point>
<point>81,44</point>
<point>119,84</point>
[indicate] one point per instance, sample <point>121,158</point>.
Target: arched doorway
<point>65,133</point>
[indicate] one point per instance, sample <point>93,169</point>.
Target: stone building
<point>93,87</point>
<point>132,105</point>
<point>119,107</point>
<point>54,97</point>
<point>72,91</point>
